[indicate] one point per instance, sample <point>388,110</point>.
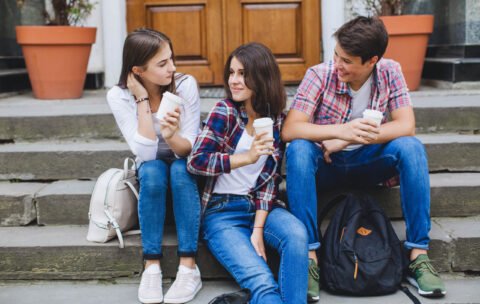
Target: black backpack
<point>360,253</point>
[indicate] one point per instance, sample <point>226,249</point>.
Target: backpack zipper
<point>355,272</point>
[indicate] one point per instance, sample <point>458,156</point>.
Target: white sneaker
<point>187,284</point>
<point>150,290</point>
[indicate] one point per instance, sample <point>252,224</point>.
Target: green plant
<point>69,12</point>
<point>385,7</point>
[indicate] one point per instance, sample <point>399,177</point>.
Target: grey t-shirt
<point>359,101</point>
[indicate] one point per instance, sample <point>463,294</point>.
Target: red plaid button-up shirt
<point>326,99</point>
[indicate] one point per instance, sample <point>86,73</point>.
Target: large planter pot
<point>56,58</point>
<point>407,44</point>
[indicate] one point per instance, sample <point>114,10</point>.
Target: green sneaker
<point>425,278</point>
<point>313,294</point>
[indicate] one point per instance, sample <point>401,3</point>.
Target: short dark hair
<point>262,76</point>
<point>140,46</point>
<point>363,36</point>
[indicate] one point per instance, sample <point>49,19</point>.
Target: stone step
<point>61,252</point>
<point>25,118</point>
<point>460,289</point>
<point>17,205</point>
<point>56,160</point>
<point>67,202</point>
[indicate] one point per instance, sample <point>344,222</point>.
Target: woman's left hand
<point>170,124</point>
<point>257,241</point>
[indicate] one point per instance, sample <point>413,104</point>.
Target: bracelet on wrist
<point>259,227</point>
<point>141,99</point>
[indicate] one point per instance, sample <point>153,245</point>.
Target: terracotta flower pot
<point>408,39</point>
<point>56,58</point>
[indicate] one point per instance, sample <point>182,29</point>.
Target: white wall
<point>333,16</point>
<point>115,30</point>
<point>96,63</point>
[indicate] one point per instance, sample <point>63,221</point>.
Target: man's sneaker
<point>313,294</point>
<point>187,284</point>
<point>150,290</point>
<point>424,277</point>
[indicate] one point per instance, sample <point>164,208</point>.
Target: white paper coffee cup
<point>263,124</point>
<point>168,104</point>
<point>374,115</point>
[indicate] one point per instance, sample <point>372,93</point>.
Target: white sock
<point>185,269</point>
<point>153,268</point>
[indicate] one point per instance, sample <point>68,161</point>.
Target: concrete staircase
<point>52,151</point>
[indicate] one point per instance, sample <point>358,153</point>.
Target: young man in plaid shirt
<point>332,145</point>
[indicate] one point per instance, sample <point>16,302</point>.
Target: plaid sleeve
<point>399,96</point>
<point>206,157</point>
<point>308,92</point>
<point>265,196</point>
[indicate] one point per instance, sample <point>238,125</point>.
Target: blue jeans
<point>227,228</point>
<point>366,166</point>
<point>154,178</point>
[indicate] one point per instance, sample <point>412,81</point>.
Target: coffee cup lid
<point>373,113</point>
<point>262,122</point>
<point>173,97</point>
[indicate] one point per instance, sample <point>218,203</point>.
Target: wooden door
<point>195,27</point>
<point>204,32</point>
<point>290,28</point>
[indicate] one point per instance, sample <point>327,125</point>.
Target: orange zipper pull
<point>355,273</point>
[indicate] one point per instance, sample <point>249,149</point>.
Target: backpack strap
<point>135,192</point>
<point>115,225</point>
<point>325,209</point>
<point>410,295</point>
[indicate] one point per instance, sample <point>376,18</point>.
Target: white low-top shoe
<point>187,284</point>
<point>150,290</point>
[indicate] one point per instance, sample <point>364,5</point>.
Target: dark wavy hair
<point>140,46</point>
<point>365,37</point>
<point>262,76</point>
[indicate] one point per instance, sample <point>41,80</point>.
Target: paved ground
<point>460,290</point>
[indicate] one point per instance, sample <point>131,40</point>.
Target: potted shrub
<point>56,55</point>
<point>408,37</point>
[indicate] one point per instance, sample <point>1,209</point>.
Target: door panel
<point>193,26</point>
<point>186,24</point>
<point>291,29</point>
<point>281,22</point>
<point>204,32</point>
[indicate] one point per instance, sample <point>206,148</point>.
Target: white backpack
<point>113,205</point>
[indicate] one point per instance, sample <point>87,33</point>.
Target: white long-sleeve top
<point>124,109</point>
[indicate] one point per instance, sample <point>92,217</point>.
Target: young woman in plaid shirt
<point>241,210</point>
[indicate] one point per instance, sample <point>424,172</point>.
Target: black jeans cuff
<point>191,254</point>
<point>155,256</point>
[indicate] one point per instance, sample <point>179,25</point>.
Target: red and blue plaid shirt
<point>217,142</point>
<point>327,100</point>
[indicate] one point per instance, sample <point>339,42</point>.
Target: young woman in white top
<point>161,147</point>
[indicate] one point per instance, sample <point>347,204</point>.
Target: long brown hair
<point>262,76</point>
<point>140,46</point>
